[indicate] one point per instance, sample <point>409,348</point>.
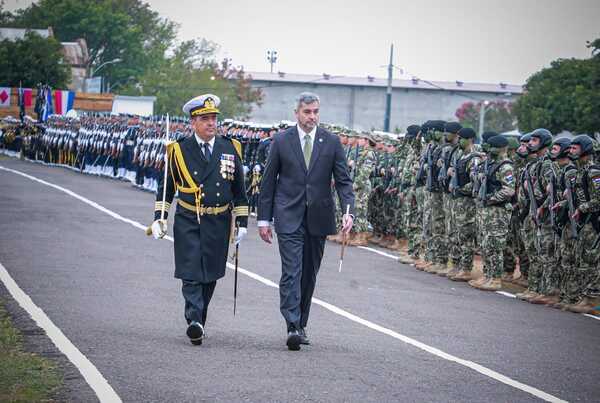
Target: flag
<point>28,96</point>
<point>48,110</point>
<point>64,101</point>
<point>5,96</point>
<point>21,98</point>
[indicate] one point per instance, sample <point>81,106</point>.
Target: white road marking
<point>592,316</point>
<point>378,252</point>
<point>506,294</point>
<point>90,373</point>
<point>415,343</point>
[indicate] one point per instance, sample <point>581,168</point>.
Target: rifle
<point>571,204</point>
<point>533,206</point>
<point>482,191</point>
<point>552,201</point>
<point>355,167</point>
<point>429,183</point>
<point>454,183</point>
<point>421,171</point>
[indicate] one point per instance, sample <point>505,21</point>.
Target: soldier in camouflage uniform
<point>408,196</point>
<point>388,212</point>
<point>420,190</point>
<point>461,173</point>
<point>375,205</point>
<point>516,244</point>
<point>496,195</point>
<point>539,235</point>
<point>450,150</point>
<point>582,285</point>
<point>362,169</point>
<point>564,251</point>
<point>433,218</point>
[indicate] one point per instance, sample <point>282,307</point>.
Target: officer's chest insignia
<point>596,182</point>
<point>227,166</point>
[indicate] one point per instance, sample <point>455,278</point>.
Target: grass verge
<point>24,377</point>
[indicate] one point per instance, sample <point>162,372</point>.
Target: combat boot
<point>387,241</point>
<point>583,306</point>
<point>396,245</point>
<point>449,267</point>
<point>494,284</point>
<point>462,275</point>
<point>358,240</point>
<point>434,268</point>
<point>476,282</point>
<point>376,238</point>
<point>452,272</point>
<point>423,265</point>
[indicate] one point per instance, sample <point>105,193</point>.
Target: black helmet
<point>545,139</point>
<point>586,143</point>
<point>564,144</point>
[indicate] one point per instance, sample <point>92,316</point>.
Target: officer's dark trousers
<point>197,296</point>
<point>301,255</point>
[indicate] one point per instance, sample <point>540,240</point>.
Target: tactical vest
<point>493,184</point>
<point>435,170</point>
<point>593,217</point>
<point>462,175</point>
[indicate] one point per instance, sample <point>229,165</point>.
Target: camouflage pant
<point>416,224</point>
<point>436,246</point>
<point>480,232</point>
<point>515,247</point>
<point>361,200</point>
<point>541,257</point>
<point>588,262</point>
<point>464,216</point>
<point>497,220</point>
<point>566,261</point>
<point>529,236</point>
<point>451,229</point>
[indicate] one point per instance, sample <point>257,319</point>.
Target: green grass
<point>24,377</point>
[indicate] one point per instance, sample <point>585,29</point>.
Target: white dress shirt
<point>201,142</point>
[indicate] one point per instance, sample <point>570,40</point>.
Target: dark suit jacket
<point>289,190</point>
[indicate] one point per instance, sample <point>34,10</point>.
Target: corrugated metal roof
<point>326,79</point>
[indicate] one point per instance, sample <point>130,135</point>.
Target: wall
<point>364,107</point>
<point>83,102</point>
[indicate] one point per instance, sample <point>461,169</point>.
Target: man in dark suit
<point>206,171</point>
<point>296,193</point>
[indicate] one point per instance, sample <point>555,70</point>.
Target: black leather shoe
<point>195,332</point>
<point>293,340</point>
<point>304,338</point>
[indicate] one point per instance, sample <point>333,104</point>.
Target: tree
<point>113,29</point>
<point>499,116</point>
<point>564,96</point>
<point>190,71</point>
<point>33,60</point>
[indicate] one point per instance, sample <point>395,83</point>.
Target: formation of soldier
<point>524,209</point>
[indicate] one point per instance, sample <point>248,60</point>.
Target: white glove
<point>159,229</point>
<point>246,169</point>
<point>257,168</point>
<point>241,233</point>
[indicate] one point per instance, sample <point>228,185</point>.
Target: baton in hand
<point>344,240</point>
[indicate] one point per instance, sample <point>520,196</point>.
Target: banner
<point>5,96</point>
<point>64,101</point>
<point>47,108</point>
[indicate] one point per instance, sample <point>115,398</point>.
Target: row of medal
<point>227,166</point>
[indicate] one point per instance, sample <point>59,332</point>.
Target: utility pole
<point>388,96</point>
<point>272,58</point>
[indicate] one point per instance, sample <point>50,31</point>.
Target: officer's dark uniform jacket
<point>209,192</point>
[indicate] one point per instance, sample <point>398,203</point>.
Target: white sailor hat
<point>202,105</point>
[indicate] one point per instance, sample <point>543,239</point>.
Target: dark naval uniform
<point>211,193</point>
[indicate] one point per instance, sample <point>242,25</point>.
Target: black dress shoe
<point>304,338</point>
<point>293,340</point>
<point>195,332</point>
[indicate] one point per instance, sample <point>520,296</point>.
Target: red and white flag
<point>64,101</point>
<point>4,96</point>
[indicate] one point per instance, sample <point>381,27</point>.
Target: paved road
<point>110,289</point>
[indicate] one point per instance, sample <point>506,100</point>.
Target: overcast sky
<point>467,40</point>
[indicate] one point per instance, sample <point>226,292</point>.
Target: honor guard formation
<point>524,209</point>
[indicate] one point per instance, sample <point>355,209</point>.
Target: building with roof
<point>359,102</point>
<point>75,53</point>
